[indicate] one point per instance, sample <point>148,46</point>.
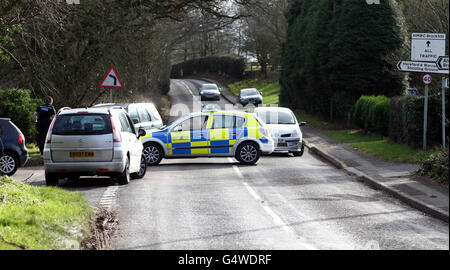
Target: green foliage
<point>436,166</point>
<point>335,52</point>
<point>380,147</point>
<point>33,217</point>
<point>19,106</point>
<point>406,120</point>
<point>371,113</point>
<point>221,65</point>
<point>6,40</point>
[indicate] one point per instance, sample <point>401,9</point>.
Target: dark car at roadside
<point>209,91</point>
<point>250,96</point>
<point>13,152</point>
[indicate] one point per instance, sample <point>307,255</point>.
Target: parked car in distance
<point>210,134</point>
<point>93,141</point>
<point>143,115</point>
<point>13,152</point>
<point>209,91</point>
<point>284,127</point>
<point>250,96</point>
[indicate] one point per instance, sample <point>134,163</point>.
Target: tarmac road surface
<point>282,202</point>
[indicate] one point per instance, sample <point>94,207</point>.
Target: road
<point>283,202</point>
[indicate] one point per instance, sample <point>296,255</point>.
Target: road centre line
<point>278,221</point>
<point>188,87</point>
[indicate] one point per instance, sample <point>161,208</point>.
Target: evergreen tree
<point>335,52</point>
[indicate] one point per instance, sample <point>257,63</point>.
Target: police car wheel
<point>153,154</point>
<point>248,153</point>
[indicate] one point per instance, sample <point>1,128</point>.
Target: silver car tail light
<point>116,133</point>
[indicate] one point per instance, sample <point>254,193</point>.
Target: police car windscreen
<point>82,124</point>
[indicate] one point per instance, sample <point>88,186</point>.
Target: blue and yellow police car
<point>210,134</point>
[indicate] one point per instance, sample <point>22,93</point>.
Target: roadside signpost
<point>427,47</point>
<point>428,56</point>
<point>422,67</point>
<point>111,80</point>
<point>442,63</point>
<point>427,80</point>
<point>444,85</point>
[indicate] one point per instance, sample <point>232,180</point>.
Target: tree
<point>335,52</point>
<point>265,29</point>
<point>64,50</point>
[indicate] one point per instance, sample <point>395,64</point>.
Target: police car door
<point>226,129</point>
<point>190,137</point>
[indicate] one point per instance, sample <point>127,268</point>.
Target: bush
<point>371,113</point>
<point>220,65</point>
<point>18,105</point>
<point>406,120</point>
<point>436,167</point>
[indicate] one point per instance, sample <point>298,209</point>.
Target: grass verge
<point>316,121</point>
<point>380,146</point>
<point>41,218</point>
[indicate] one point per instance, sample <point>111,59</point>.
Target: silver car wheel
<point>7,164</point>
<point>143,166</point>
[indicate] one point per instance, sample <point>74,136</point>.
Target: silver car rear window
<point>82,124</point>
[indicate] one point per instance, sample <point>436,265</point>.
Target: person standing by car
<point>43,117</point>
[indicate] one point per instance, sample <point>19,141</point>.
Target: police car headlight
<point>201,92</point>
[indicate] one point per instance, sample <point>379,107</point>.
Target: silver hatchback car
<point>93,141</point>
<point>285,129</point>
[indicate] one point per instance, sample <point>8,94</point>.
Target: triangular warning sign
<point>111,79</point>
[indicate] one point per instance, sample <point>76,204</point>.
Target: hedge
<point>221,65</point>
<point>18,105</point>
<point>406,120</point>
<point>371,113</point>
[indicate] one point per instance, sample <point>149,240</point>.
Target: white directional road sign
<point>422,67</point>
<point>442,62</point>
<point>427,47</point>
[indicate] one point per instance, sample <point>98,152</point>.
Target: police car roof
<point>220,112</point>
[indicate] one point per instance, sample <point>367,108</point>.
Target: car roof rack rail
<point>63,109</point>
<point>114,107</point>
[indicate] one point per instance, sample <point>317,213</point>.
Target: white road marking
<point>252,192</point>
<point>108,199</point>
<point>238,172</point>
<point>277,219</point>
<point>188,87</point>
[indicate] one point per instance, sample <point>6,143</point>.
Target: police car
<point>210,134</point>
